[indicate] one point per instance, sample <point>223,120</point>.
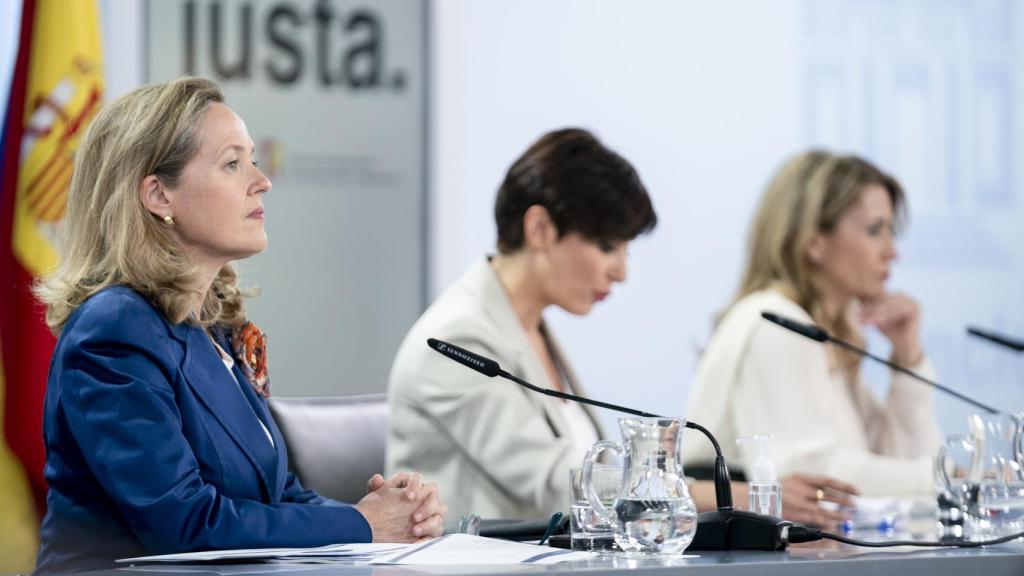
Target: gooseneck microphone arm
<point>820,335</point>
<point>1001,339</point>
<point>490,368</point>
<point>567,396</point>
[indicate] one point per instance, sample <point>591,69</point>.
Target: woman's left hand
<point>898,317</point>
<point>803,494</point>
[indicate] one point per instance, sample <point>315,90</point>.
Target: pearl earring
<point>169,220</point>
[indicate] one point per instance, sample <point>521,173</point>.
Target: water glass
<point>587,530</point>
<point>994,510</point>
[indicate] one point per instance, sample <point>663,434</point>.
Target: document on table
<point>456,549</point>
<point>446,550</point>
<point>350,551</point>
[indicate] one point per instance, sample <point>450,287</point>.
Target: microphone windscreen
<point>485,366</point>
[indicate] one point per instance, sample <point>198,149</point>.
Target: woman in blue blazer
<point>156,424</point>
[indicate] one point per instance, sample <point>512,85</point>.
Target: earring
<point>169,220</point>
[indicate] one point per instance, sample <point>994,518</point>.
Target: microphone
<point>485,366</point>
<point>490,368</point>
<point>724,529</point>
<point>820,335</point>
<point>1001,339</point>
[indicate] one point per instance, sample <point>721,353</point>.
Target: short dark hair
<point>585,187</point>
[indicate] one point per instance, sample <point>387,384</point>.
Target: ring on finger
<point>819,494</point>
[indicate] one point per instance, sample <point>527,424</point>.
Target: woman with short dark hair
<point>565,214</point>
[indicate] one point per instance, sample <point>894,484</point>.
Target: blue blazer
<point>153,449</point>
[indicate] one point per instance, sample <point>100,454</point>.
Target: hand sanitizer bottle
<point>765,489</point>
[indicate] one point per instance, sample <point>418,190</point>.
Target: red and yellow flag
<point>65,87</point>
<point>56,90</point>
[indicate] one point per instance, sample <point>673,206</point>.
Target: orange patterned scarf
<point>249,344</point>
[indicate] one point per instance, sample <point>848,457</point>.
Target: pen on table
<point>556,519</point>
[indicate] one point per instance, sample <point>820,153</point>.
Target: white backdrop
<point>707,99</point>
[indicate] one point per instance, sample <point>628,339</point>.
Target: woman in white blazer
<point>820,250</point>
<point>565,215</point>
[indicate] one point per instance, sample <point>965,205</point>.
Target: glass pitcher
<point>653,512</point>
<point>991,492</point>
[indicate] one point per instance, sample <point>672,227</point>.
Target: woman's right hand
<point>403,508</point>
<point>898,317</point>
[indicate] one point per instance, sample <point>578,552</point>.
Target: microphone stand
<point>1001,339</point>
<point>820,335</point>
<point>723,529</point>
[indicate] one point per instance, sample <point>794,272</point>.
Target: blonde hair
<point>807,196</point>
<point>110,238</point>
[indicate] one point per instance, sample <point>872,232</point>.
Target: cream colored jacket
<point>493,447</point>
<point>756,377</point>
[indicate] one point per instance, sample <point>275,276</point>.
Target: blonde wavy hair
<point>109,237</point>
<point>807,196</point>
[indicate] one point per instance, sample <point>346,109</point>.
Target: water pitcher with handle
<point>652,512</point>
<point>991,491</point>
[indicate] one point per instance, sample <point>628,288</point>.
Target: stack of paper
<point>446,550</point>
<point>354,552</point>
<point>466,549</point>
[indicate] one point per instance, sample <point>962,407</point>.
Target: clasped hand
<point>402,508</point>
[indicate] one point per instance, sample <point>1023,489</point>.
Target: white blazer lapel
<point>570,377</point>
<point>528,365</point>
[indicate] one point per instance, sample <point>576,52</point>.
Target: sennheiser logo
<point>444,349</point>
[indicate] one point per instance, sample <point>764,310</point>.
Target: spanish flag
<point>56,89</point>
